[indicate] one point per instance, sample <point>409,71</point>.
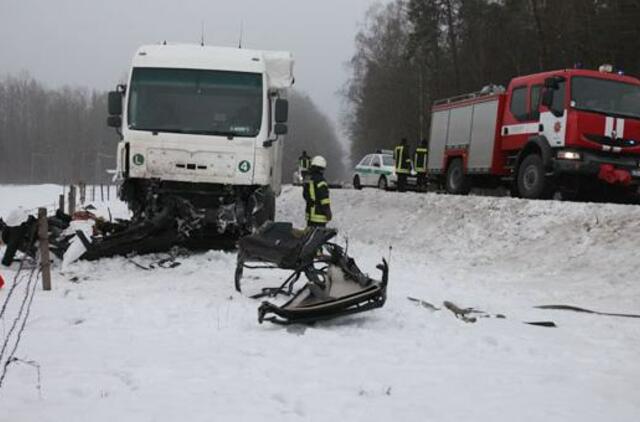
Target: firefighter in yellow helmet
<point>316,194</point>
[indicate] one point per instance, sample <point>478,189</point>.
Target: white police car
<point>375,170</point>
<point>378,170</point>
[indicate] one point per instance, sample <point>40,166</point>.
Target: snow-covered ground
<point>119,343</point>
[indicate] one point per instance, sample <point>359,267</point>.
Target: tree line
<point>410,53</point>
<point>60,135</point>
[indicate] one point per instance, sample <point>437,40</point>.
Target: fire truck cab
<point>565,130</point>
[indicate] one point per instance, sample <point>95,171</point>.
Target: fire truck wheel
<point>456,182</point>
<point>356,182</point>
<point>532,183</point>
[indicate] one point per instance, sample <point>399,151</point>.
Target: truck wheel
<point>356,182</point>
<point>532,182</point>
<point>264,204</point>
<point>382,183</point>
<point>457,183</point>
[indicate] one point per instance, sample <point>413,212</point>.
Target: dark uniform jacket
<point>316,195</point>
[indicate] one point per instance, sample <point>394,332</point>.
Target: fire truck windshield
<point>605,96</point>
<point>195,101</point>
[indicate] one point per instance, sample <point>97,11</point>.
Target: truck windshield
<point>606,96</point>
<point>195,101</point>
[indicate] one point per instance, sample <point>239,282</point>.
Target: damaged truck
<point>202,131</point>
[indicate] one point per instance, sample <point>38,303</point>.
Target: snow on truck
<point>554,131</point>
<point>203,126</point>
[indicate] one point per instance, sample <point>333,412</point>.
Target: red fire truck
<point>567,130</point>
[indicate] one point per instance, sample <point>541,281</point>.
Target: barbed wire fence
<point>25,280</point>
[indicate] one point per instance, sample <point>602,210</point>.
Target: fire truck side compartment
<point>438,139</point>
<point>471,127</point>
<point>482,136</point>
<point>460,127</point>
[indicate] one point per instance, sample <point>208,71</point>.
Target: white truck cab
<point>203,124</point>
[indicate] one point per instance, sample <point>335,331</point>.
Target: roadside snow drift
<point>116,342</point>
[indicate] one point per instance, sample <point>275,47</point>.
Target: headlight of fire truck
<point>569,155</point>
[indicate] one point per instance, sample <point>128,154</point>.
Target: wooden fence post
<point>83,190</point>
<point>43,236</point>
<point>101,192</point>
<point>93,192</point>
<point>72,200</point>
<point>61,203</point>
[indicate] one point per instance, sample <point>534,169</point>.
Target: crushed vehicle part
<point>23,236</point>
<point>471,315</point>
<point>584,310</point>
<point>336,286</point>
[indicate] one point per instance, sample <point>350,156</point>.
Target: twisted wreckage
<point>335,285</point>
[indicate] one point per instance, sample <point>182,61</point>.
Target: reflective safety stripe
<point>399,157</point>
<point>421,160</point>
<point>325,202</point>
<point>313,216</point>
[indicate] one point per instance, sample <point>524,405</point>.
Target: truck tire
<point>356,182</point>
<point>456,182</point>
<point>265,201</point>
<point>382,183</point>
<point>532,181</point>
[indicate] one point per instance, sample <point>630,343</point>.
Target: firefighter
<point>402,158</point>
<point>316,194</point>
<point>420,164</point>
<point>303,164</point>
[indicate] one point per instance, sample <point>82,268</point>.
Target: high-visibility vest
<point>420,160</point>
<point>402,161</point>
<point>318,202</point>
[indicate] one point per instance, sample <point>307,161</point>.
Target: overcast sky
<point>90,42</point>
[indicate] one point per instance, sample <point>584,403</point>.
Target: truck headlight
<point>569,155</point>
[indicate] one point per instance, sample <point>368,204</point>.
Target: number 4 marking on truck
<point>244,166</point>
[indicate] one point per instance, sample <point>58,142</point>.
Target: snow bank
<point>119,343</point>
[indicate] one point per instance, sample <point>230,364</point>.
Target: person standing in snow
<point>401,155</point>
<point>420,164</point>
<point>316,194</point>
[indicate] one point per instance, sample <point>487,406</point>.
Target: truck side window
<point>535,102</point>
<point>518,105</point>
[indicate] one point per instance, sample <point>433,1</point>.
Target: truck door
<point>553,112</point>
<point>519,123</point>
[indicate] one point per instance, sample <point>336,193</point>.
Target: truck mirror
<point>547,97</point>
<point>280,129</point>
<point>115,103</point>
<point>282,111</point>
<point>550,83</point>
<point>114,121</point>
<point>553,82</point>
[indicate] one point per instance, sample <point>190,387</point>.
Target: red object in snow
<point>611,175</point>
<point>1,281</point>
